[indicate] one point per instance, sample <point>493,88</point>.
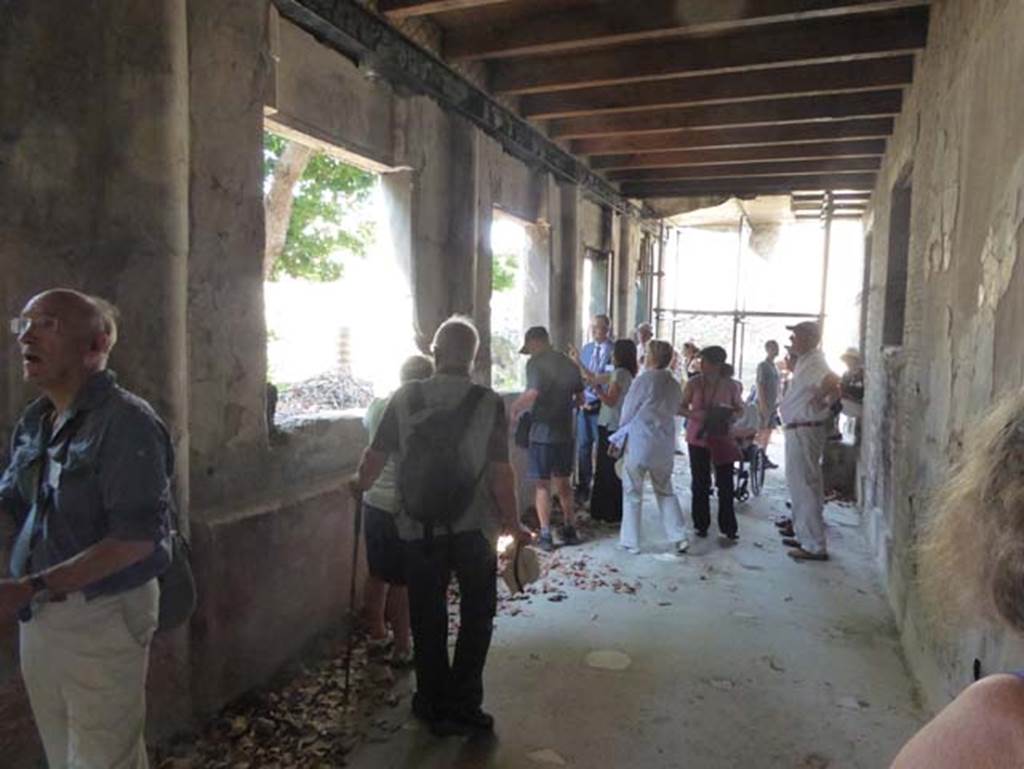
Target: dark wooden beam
<point>762,112</point>
<point>803,151</point>
<point>362,36</point>
<point>404,9</point>
<point>761,185</point>
<point>733,86</point>
<point>792,133</point>
<point>818,40</point>
<point>728,170</point>
<point>617,23</point>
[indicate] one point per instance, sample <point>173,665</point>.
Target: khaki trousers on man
<point>804,449</point>
<point>84,665</point>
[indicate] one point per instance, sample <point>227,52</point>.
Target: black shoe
<point>475,719</point>
<point>569,536</point>
<point>702,533</point>
<point>437,720</point>
<point>770,465</point>
<point>546,543</point>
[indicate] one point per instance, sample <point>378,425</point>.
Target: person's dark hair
<point>771,343</point>
<point>624,355</point>
<point>728,371</point>
<point>714,354</point>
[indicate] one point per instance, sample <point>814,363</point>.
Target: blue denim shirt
<point>596,358</point>
<point>108,476</point>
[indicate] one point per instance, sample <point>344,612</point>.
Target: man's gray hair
<point>456,343</point>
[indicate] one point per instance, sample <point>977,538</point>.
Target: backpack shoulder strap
<point>417,399</point>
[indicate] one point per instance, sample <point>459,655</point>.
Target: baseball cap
<point>807,327</point>
<point>534,334</point>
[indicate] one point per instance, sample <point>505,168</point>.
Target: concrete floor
<point>739,657</point>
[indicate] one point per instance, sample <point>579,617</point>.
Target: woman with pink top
<point>710,402</point>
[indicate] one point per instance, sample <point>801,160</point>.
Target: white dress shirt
<point>798,404</point>
<point>648,419</point>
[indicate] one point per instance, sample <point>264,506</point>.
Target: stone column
<point>565,272</point>
<point>95,197</point>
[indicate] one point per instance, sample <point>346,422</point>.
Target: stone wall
<point>959,143</point>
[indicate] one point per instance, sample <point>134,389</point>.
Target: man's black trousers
<point>444,686</point>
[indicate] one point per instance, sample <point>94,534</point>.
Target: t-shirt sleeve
<point>533,375</point>
<point>135,469</point>
<point>386,440</point>
<point>497,445</point>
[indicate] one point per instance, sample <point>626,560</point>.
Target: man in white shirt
<point>805,415</point>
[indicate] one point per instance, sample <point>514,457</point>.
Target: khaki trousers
<point>84,665</point>
<point>804,449</point>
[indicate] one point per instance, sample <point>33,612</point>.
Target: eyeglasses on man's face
<point>45,323</point>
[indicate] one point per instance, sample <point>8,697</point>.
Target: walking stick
<point>357,525</point>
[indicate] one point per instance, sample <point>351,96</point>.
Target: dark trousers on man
<point>586,437</point>
<point>446,687</point>
<point>700,486</point>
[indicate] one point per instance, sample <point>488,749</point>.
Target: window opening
<point>326,242</point>
<point>510,252</point>
<point>597,286</point>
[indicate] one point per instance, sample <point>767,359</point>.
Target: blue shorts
<point>383,547</point>
<point>550,460</point>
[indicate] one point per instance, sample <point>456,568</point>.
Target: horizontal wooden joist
<point>791,133</point>
<point>404,9</point>
<point>818,40</point>
<point>761,112</point>
<point>802,151</point>
<point>760,185</point>
<point>729,170</point>
<point>617,23</point>
<point>361,35</point>
<point>806,80</point>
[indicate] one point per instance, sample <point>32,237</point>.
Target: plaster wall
<point>959,142</point>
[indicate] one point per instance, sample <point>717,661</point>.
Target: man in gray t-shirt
<point>767,390</point>
<point>553,387</point>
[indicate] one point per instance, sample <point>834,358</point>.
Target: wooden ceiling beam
<point>404,9</point>
<point>760,185</point>
<point>734,86</point>
<point>762,112</point>
<point>619,23</point>
<point>728,170</point>
<point>804,151</point>
<point>793,133</point>
<point>817,40</point>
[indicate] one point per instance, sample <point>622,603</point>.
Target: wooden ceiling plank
<point>763,112</point>
<point>793,133</point>
<point>404,9</point>
<point>617,23</point>
<point>734,86</point>
<point>764,185</point>
<point>804,151</point>
<point>819,40</point>
<point>776,168</point>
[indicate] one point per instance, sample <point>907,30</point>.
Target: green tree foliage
<point>503,271</point>
<point>319,234</point>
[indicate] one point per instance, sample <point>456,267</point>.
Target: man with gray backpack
<point>456,494</point>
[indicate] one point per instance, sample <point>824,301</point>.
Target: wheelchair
<point>749,471</point>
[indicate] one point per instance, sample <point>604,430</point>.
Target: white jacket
<point>648,419</point>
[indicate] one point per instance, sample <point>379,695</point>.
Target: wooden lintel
<point>818,40</point>
<point>617,23</point>
<point>730,170</point>
<point>746,154</point>
<point>761,112</point>
<point>731,86</point>
<point>404,9</point>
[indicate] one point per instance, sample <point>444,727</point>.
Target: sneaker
<point>545,543</point>
<point>569,536</point>
<point>401,660</point>
<point>378,646</point>
<point>702,533</point>
<point>628,549</point>
<point>682,545</point>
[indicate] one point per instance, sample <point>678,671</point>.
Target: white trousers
<point>664,494</point>
<point>84,665</point>
<point>804,449</point>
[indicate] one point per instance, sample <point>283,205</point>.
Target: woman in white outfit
<point>647,430</point>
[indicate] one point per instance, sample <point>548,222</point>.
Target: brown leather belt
<point>795,425</point>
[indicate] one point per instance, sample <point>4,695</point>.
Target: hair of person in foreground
<point>971,566</point>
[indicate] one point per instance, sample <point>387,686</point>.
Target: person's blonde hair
<point>661,351</point>
<point>971,552</point>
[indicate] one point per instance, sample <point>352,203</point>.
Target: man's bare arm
<point>523,403</point>
<point>371,465</point>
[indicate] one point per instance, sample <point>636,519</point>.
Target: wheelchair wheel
<point>740,493</point>
<point>757,470</point>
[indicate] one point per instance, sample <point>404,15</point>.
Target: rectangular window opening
<point>511,244</point>
<point>328,241</point>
